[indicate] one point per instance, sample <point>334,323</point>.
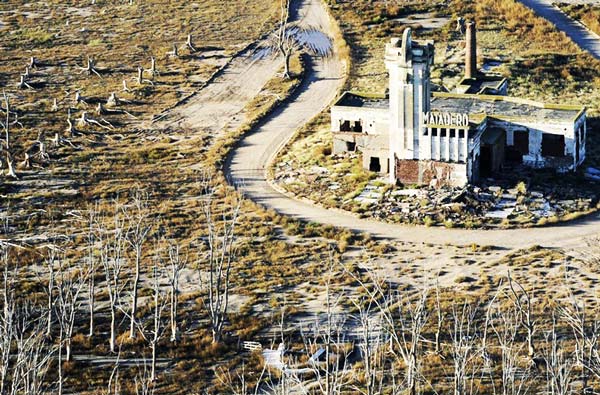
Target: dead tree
<point>69,287</point>
<point>7,323</point>
<point>26,161</point>
<point>10,162</point>
<point>50,262</point>
<point>404,321</point>
<point>125,87</point>
<point>156,331</point>
<point>152,70</point>
<point>440,319</point>
<point>285,42</point>
<point>70,128</point>
<point>177,262</point>
<point>190,44</point>
<point>371,346</point>
<point>90,68</point>
<point>113,100</point>
<point>463,346</point>
<point>140,77</point>
<point>23,83</point>
<point>219,259</point>
<point>330,336</point>
<point>559,366</point>
<point>174,52</point>
<point>138,227</point>
<point>85,120</point>
<point>112,247</point>
<point>586,335</point>
<point>32,352</point>
<point>6,123</point>
<point>143,382</point>
<point>78,98</point>
<point>505,323</point>
<point>41,143</point>
<point>486,325</point>
<point>54,107</point>
<point>33,63</point>
<point>522,301</point>
<point>91,239</point>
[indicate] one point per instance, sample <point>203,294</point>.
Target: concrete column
<point>456,146</point>
<point>447,153</point>
<point>471,51</point>
<point>429,144</point>
<point>438,154</point>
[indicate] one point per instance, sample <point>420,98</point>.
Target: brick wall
<point>424,171</point>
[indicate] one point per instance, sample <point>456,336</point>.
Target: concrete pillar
<point>447,153</point>
<point>438,154</point>
<point>429,145</point>
<point>471,51</point>
<point>456,146</point>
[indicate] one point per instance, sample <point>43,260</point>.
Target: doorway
<point>375,165</point>
<point>485,161</point>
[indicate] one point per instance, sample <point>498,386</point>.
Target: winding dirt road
<point>249,162</point>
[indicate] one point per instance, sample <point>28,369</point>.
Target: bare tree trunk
<point>176,264</point>
<point>7,121</point>
<point>138,229</point>
<point>221,253</point>
<point>522,300</point>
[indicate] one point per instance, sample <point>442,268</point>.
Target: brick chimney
<point>471,52</point>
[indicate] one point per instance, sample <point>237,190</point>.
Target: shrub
<point>428,221</point>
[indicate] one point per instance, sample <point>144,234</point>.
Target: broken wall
<point>427,172</point>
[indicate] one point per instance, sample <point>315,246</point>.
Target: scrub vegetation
<point>120,242</point>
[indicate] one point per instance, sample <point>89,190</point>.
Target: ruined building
<point>420,137</point>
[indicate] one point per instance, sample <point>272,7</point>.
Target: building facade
<point>419,137</point>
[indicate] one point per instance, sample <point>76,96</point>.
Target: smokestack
<point>471,53</point>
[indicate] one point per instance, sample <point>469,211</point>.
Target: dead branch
<point>26,162</point>
<point>79,98</point>
<point>174,52</point>
<point>522,301</point>
<point>189,44</point>
<point>90,68</point>
<point>152,70</point>
<point>10,172</point>
<point>23,83</point>
<point>33,63</point>
<point>140,77</point>
<point>85,120</point>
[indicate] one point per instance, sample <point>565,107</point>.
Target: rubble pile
<point>506,202</point>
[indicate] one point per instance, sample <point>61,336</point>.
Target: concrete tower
<point>408,63</point>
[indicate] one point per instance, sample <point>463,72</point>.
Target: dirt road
<point>219,106</point>
<point>576,31</point>
<point>247,166</point>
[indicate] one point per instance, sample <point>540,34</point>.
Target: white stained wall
<point>536,130</point>
<point>375,121</point>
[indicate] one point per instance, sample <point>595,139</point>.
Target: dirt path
<point>219,106</point>
<point>581,35</point>
<point>248,163</point>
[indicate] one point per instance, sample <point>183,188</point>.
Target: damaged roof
<point>509,108</point>
<point>477,106</point>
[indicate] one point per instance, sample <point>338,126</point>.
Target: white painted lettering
<point>446,119</point>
